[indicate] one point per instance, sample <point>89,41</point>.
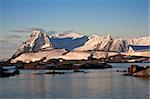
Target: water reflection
<point>98,84</point>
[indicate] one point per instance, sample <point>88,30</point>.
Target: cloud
<point>12,36</point>
<point>51,32</point>
<point>20,31</point>
<point>3,41</point>
<point>35,29</point>
<point>24,29</point>
<point>69,31</point>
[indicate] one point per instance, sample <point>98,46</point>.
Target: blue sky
<point>119,18</point>
<point>125,18</point>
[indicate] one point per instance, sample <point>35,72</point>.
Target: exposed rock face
<point>118,45</point>
<point>134,68</point>
<point>143,73</point>
<point>139,71</point>
<point>37,40</point>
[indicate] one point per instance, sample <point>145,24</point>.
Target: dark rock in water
<point>121,71</point>
<point>53,72</point>
<point>94,66</point>
<point>127,74</point>
<point>58,72</point>
<point>143,73</point>
<point>120,58</point>
<point>56,64</point>
<point>134,68</point>
<point>79,71</point>
<point>6,71</point>
<point>138,71</point>
<point>82,64</point>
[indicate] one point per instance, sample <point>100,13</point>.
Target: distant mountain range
<point>108,43</point>
<point>74,42</point>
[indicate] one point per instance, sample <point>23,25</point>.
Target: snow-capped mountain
<point>76,42</point>
<point>139,41</point>
<point>37,40</point>
<point>105,43</point>
<point>41,45</point>
<point>108,43</point>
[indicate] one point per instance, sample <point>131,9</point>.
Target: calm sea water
<point>97,84</point>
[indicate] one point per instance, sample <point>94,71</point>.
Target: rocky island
<point>73,50</point>
<point>138,71</point>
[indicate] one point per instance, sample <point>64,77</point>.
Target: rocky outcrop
<point>138,71</point>
<point>143,73</point>
<point>134,68</point>
<point>8,70</point>
<point>121,58</point>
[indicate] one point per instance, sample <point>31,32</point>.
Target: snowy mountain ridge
<point>108,43</point>
<point>39,41</point>
<point>73,46</point>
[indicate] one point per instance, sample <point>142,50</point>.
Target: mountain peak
<point>108,36</point>
<point>94,36</point>
<point>36,32</point>
<point>36,41</point>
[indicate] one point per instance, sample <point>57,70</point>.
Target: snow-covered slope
<point>105,43</point>
<point>32,57</point>
<point>68,43</point>
<point>139,41</point>
<point>37,40</point>
<point>76,55</point>
<point>145,53</point>
<point>90,44</point>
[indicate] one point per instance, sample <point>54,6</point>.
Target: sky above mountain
<point>119,18</point>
